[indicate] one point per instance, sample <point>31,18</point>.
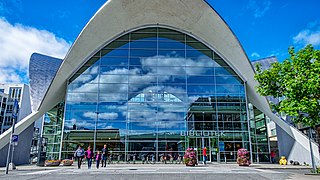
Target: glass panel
<point>143,53</point>
<point>171,36</point>
<point>200,71</point>
<point>112,97</point>
<point>176,79</point>
<point>199,53</point>
<point>201,80</point>
<point>171,53</point>
<point>171,70</point>
<point>82,97</point>
<point>114,61</point>
<point>143,36</point>
<point>91,88</point>
<point>113,88</point>
<point>114,53</point>
<point>86,79</point>
<point>171,60</point>
<point>143,44</point>
<point>157,91</point>
<point>201,89</point>
<point>114,78</point>
<point>114,70</point>
<point>142,79</point>
<point>171,44</point>
<point>227,80</point>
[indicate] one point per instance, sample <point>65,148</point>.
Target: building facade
<point>42,70</point>
<point>158,89</point>
<point>9,93</point>
<point>157,77</point>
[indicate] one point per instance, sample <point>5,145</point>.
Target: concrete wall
<point>21,151</point>
<point>25,106</point>
<point>292,150</point>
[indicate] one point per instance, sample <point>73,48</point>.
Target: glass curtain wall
<point>52,130</point>
<point>156,91</point>
<point>259,135</point>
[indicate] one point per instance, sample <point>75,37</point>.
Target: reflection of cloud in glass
<point>161,125</point>
<point>174,66</point>
<point>86,125</point>
<point>109,116</point>
<point>152,116</point>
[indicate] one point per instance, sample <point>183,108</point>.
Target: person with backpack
<point>79,154</point>
<point>89,156</point>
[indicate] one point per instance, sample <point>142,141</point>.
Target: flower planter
<point>52,163</point>
<point>243,157</point>
<point>67,162</point>
<point>190,158</point>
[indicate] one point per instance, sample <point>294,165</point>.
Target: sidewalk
<point>32,167</point>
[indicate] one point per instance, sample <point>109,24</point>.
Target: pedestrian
<point>89,156</point>
<point>98,158</point>
<point>79,154</point>
<point>204,153</point>
<point>272,155</point>
<point>104,151</point>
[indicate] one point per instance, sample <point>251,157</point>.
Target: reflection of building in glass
<point>219,119</point>
<point>166,79</point>
<point>151,85</point>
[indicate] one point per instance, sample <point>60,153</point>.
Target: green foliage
<point>317,170</point>
<point>297,82</point>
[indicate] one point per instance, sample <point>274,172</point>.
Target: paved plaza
<point>160,171</point>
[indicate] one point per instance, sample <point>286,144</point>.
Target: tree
<point>297,82</point>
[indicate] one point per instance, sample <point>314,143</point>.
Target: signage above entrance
<point>202,133</point>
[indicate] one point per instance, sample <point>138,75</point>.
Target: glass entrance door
<point>199,143</point>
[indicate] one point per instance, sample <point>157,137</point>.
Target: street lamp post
<point>14,118</point>
<point>311,151</point>
<point>310,144</point>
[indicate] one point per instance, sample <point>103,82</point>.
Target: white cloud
<point>18,42</point>
<point>10,74</point>
<point>259,9</point>
<point>255,55</point>
<point>307,36</point>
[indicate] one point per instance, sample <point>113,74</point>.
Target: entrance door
<point>199,143</point>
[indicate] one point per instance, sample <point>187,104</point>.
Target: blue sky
<point>264,28</point>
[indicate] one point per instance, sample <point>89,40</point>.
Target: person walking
<point>89,156</point>
<point>104,156</point>
<point>204,153</point>
<point>272,155</point>
<point>79,154</point>
<point>98,158</point>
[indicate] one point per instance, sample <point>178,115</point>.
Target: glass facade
<point>259,135</point>
<point>156,91</point>
<point>52,130</point>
